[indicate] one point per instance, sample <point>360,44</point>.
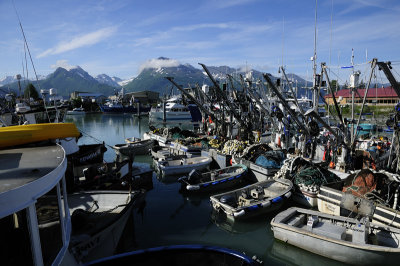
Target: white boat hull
<point>305,199</point>
<point>103,243</point>
<point>158,115</point>
<point>337,238</point>
<point>184,168</point>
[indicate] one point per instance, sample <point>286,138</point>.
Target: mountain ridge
<point>152,77</point>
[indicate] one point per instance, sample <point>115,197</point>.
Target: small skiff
<point>220,179</point>
<point>23,134</point>
<point>347,240</point>
<point>183,166</point>
<point>98,219</point>
<point>76,111</point>
<point>141,147</point>
<point>160,152</point>
<point>252,200</point>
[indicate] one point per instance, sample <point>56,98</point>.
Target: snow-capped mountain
<point>11,79</point>
<point>105,79</point>
<point>124,82</point>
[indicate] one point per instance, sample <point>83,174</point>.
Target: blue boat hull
<point>179,255</point>
<point>124,109</point>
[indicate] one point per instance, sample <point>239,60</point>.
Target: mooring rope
<point>98,140</point>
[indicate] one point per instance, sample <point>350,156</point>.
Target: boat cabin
<point>34,215</point>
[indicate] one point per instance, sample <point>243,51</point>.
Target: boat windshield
<point>48,216</point>
<point>18,238</point>
<point>15,244</point>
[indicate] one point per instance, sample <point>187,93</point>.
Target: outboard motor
<point>194,177</point>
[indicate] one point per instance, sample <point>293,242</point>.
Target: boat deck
<point>21,166</point>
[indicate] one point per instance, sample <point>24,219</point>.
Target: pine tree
<point>31,92</point>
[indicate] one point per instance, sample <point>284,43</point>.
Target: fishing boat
<point>307,179</point>
<point>174,111</point>
<point>76,111</point>
<point>160,152</point>
<point>98,219</point>
<point>180,255</point>
<point>365,192</point>
<point>23,134</point>
<point>262,161</point>
<point>119,107</point>
<point>252,200</point>
<point>344,239</point>
<point>363,129</point>
<point>141,147</point>
<point>124,151</point>
<point>88,154</point>
<point>215,180</point>
<point>182,166</point>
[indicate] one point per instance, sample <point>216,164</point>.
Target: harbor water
<point>171,218</point>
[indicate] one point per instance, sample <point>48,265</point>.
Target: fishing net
<point>361,183</point>
<point>252,152</point>
<point>271,159</point>
<point>380,187</point>
<point>306,173</point>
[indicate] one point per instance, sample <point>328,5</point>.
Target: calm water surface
<point>170,218</point>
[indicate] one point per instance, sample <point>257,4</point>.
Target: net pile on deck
<point>309,177</point>
<point>381,187</point>
<point>234,146</point>
<point>271,159</point>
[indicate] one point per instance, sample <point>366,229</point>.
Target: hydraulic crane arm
<point>284,103</point>
<point>224,98</point>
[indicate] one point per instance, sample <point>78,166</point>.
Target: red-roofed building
<point>381,96</point>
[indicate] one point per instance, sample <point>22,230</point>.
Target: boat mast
<point>352,97</point>
<point>315,82</point>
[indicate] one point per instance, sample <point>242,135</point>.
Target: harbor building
<point>89,96</point>
<point>144,97</point>
<point>378,96</point>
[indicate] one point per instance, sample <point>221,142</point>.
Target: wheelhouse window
<point>15,244</point>
<point>48,216</point>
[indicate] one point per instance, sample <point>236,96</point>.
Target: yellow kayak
<point>17,135</point>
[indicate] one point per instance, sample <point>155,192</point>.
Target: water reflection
<point>236,227</point>
<point>286,253</point>
<point>111,128</point>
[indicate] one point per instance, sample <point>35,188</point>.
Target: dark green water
<point>170,218</point>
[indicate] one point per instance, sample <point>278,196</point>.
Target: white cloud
<point>159,63</point>
<point>80,41</point>
<point>63,64</point>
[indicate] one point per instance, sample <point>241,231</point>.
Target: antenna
<point>283,38</point>
<point>352,58</point>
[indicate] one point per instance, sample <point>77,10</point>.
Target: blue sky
<point>120,37</point>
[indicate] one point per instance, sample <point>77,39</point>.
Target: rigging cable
<point>30,56</point>
<point>96,139</point>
